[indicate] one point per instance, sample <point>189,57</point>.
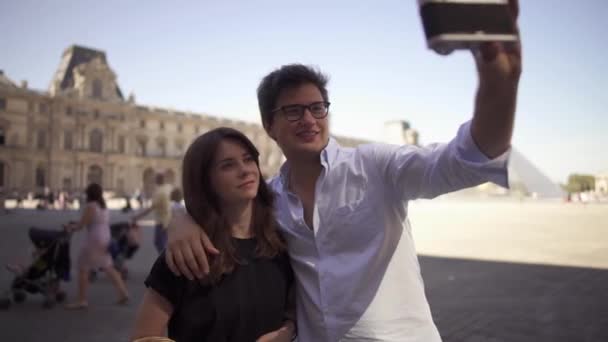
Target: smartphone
<point>464,24</point>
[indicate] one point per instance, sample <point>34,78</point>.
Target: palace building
<point>84,129</point>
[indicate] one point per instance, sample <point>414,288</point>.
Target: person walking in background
<point>18,199</point>
<point>51,200</point>
<point>94,253</point>
<point>61,200</point>
<point>3,209</point>
<point>139,198</point>
<point>127,207</point>
<point>161,206</point>
<point>176,198</point>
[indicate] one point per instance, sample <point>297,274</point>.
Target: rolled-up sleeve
<point>468,153</point>
<point>426,172</point>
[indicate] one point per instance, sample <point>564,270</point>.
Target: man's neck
<point>239,219</point>
<point>304,172</point>
<point>303,175</point>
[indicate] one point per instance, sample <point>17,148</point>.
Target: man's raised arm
<point>499,67</point>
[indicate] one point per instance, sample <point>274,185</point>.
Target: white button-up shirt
<point>357,273</point>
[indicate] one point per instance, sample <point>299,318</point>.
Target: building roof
<point>74,56</point>
<point>5,81</point>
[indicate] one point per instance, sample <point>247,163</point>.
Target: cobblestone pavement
<point>492,294</point>
<point>495,301</point>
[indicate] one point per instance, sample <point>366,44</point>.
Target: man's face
<point>303,138</point>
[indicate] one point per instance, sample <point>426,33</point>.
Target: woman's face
<point>234,174</point>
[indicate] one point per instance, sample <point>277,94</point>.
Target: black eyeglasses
<point>295,112</point>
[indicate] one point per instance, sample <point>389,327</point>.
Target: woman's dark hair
<point>202,203</point>
<point>287,76</point>
<point>95,194</point>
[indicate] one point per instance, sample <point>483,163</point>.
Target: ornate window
<point>95,175</point>
<point>120,185</point>
<point>97,89</point>
<point>67,184</point>
<point>141,147</point>
<point>96,141</point>
<point>41,139</point>
<point>162,148</point>
<point>170,176</point>
<point>68,140</point>
<point>179,146</point>
<point>40,176</point>
<point>121,144</point>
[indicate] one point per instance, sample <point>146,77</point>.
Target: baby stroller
<point>51,265</point>
<point>124,244</point>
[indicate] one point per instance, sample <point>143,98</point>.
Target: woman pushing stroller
<point>94,253</point>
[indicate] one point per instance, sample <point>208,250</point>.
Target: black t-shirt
<point>242,306</point>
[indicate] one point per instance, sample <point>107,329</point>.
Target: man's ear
<point>268,129</point>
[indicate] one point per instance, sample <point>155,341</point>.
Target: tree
<point>580,182</point>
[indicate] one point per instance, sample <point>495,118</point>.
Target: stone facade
<point>83,130</point>
<point>601,183</point>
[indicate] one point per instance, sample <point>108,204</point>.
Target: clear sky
<point>208,57</point>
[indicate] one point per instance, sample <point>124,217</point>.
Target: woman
<point>244,297</point>
<point>94,253</point>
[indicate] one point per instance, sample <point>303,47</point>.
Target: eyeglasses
<point>295,112</point>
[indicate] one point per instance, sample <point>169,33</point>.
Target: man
<point>343,211</point>
<point>161,205</point>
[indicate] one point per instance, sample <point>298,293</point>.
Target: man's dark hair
<point>287,76</point>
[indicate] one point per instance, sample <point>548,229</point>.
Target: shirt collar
<point>328,155</point>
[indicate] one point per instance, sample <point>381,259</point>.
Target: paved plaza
<point>494,271</point>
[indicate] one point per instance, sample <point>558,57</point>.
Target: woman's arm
<point>287,332</point>
<point>85,219</point>
<point>153,316</point>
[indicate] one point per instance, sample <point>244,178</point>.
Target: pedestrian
<point>161,206</point>
<point>94,253</point>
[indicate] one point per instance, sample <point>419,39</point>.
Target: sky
<point>209,56</point>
